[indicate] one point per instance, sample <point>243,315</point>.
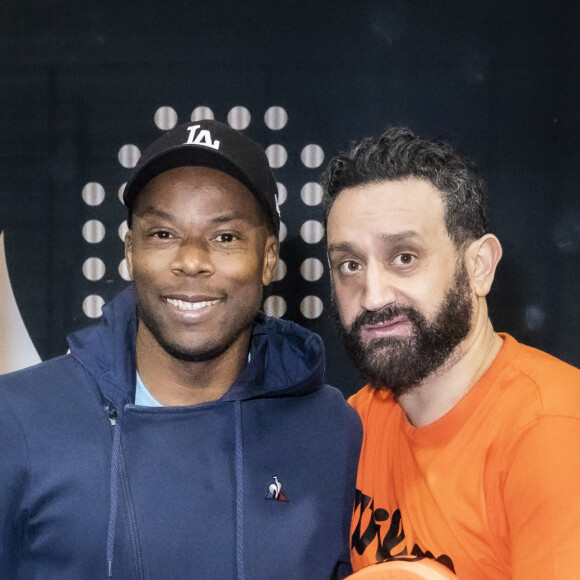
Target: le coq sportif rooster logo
<point>275,490</point>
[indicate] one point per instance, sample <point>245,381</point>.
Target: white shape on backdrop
<point>93,193</point>
<point>275,306</point>
<point>280,271</point>
<point>276,118</point>
<point>200,113</point>
<point>277,155</point>
<point>165,118</point>
<point>312,231</point>
<point>312,156</point>
<point>239,118</point>
<point>282,193</point>
<point>16,348</point>
<point>311,194</point>
<point>283,232</point>
<point>311,307</point>
<point>129,155</point>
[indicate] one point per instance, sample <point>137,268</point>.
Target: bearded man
<point>471,449</point>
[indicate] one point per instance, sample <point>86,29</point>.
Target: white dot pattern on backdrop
<point>93,269</point>
<point>312,156</point>
<point>123,229</point>
<point>123,270</point>
<point>282,193</point>
<point>280,271</point>
<point>312,269</point>
<point>275,306</point>
<point>92,306</point>
<point>311,307</point>
<point>165,118</point>
<point>201,113</point>
<point>311,194</point>
<point>129,155</point>
<point>239,118</point>
<point>93,231</point>
<point>275,118</point>
<point>121,191</point>
<point>283,232</point>
<point>277,156</point>
<point>311,231</point>
<point>93,193</point>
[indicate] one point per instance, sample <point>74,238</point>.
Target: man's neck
<point>175,382</point>
<point>442,390</point>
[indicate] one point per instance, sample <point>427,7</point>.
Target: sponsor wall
<point>85,87</point>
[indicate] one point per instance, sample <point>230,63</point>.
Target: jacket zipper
<point>132,521</point>
<point>131,518</point>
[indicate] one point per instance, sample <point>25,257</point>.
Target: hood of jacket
<point>286,359</point>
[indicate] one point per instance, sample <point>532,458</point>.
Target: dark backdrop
<point>80,80</point>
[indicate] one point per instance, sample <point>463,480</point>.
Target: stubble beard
<point>399,364</point>
<point>203,353</point>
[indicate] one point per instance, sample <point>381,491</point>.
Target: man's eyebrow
<point>385,238</point>
<point>398,237</point>
<point>229,217</point>
<point>155,212</point>
<point>341,247</point>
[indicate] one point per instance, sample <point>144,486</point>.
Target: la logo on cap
<point>201,138</point>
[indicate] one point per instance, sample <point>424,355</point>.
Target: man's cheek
<point>346,303</point>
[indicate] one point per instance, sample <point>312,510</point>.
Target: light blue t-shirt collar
<point>144,398</point>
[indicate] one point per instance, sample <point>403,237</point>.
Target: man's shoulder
<point>554,383</point>
<point>41,376</point>
<point>381,401</point>
<point>332,405</point>
<point>538,359</point>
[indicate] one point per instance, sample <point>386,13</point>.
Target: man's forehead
<point>190,183</point>
<point>411,193</point>
<point>385,215</point>
<point>391,206</point>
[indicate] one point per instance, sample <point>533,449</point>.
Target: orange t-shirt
<point>491,489</point>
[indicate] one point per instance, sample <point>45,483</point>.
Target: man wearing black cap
<point>187,435</point>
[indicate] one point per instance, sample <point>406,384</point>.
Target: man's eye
<point>226,238</point>
<point>350,266</point>
<point>404,259</point>
<point>162,235</point>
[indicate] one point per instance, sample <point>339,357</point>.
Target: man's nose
<point>193,257</point>
<point>379,289</point>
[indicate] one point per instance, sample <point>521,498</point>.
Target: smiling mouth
<point>191,306</point>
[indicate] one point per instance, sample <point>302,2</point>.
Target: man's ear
<point>129,252</point>
<point>483,256</point>
<point>270,259</point>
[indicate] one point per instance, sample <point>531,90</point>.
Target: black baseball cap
<point>212,144</point>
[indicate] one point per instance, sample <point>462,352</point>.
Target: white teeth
<point>182,305</point>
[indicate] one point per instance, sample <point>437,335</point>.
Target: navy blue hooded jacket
<point>92,485</point>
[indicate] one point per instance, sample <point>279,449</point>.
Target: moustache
<point>385,314</point>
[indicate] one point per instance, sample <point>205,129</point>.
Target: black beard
<point>400,364</point>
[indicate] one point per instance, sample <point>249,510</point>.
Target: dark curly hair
<point>400,154</point>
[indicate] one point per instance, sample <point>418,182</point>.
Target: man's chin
<point>397,380</point>
<point>378,351</point>
<point>189,354</point>
<point>388,363</point>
